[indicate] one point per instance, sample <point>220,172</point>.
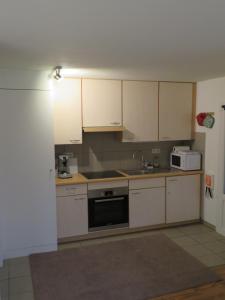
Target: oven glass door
<point>108,211</point>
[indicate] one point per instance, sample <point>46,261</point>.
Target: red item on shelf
<point>200,118</point>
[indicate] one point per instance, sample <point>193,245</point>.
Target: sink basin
<point>143,171</point>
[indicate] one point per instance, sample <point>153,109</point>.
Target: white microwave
<point>185,160</point>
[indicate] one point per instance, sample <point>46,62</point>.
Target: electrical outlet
<point>155,150</point>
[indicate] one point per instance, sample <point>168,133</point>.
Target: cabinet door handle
<point>166,138</point>
<point>115,123</point>
<point>74,141</point>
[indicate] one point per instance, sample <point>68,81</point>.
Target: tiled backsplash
<point>103,151</point>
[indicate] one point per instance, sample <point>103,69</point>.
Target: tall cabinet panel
<point>101,102</point>
<point>67,111</point>
<point>140,111</point>
<point>27,181</point>
<point>175,111</point>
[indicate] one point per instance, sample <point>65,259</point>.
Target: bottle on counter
<point>156,162</point>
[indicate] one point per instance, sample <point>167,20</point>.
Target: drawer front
<point>146,183</point>
<point>70,190</point>
<point>107,185</point>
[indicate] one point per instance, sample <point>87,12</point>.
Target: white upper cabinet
<point>102,105</point>
<point>67,112</point>
<point>140,111</point>
<point>175,111</point>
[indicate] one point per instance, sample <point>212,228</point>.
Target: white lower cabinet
<point>72,215</point>
<point>182,198</point>
<point>146,207</point>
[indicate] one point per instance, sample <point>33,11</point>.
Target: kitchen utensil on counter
<point>73,165</point>
<point>181,148</point>
<point>63,169</point>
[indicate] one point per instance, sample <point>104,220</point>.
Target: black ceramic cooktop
<point>103,174</point>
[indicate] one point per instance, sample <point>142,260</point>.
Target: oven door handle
<point>109,200</point>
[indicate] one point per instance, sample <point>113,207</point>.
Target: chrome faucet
<point>141,156</point>
<point>144,164</point>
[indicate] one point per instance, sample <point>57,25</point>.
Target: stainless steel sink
<point>143,171</point>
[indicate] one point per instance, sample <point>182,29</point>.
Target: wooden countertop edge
<point>80,179</point>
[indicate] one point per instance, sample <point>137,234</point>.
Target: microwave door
<point>176,160</point>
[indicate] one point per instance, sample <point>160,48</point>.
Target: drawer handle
<point>135,193</point>
<point>74,141</point>
<point>79,199</point>
<point>115,123</point>
<point>166,138</point>
<point>69,189</point>
<point>172,180</point>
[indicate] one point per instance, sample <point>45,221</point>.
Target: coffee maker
<point>63,170</point>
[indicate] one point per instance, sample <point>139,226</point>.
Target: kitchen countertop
<point>80,179</point>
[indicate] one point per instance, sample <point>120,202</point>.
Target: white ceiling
<point>152,39</point>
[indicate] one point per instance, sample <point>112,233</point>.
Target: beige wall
<point>102,151</point>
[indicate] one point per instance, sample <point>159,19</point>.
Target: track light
<point>57,75</point>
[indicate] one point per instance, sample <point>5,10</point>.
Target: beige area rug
<point>131,269</point>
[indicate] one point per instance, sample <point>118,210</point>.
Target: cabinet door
<point>175,111</point>
<point>72,216</point>
<point>182,198</point>
<point>67,111</point>
<point>146,207</point>
<point>101,102</point>
<point>140,111</point>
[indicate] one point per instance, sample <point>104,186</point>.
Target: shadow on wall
<point>199,145</point>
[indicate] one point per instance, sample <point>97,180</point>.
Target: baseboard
<point>11,253</point>
<point>221,230</point>
<point>121,231</point>
<point>208,224</point>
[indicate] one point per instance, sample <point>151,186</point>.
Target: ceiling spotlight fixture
<point>57,74</point>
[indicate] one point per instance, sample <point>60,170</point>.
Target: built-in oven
<point>108,208</point>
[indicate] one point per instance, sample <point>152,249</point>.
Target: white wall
<point>27,185</point>
<point>210,97</point>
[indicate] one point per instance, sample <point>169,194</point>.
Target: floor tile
<point>4,288</point>
<point>103,240</point>
<point>172,232</point>
<point>184,241</point>
<point>221,254</point>
<point>25,296</point>
<point>218,236</point>
<point>4,271</point>
<point>20,285</point>
<point>212,260</point>
<point>19,268</point>
<point>195,229</point>
<point>215,246</point>
<point>203,237</point>
<point>18,260</point>
<point>69,245</point>
<point>197,250</point>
